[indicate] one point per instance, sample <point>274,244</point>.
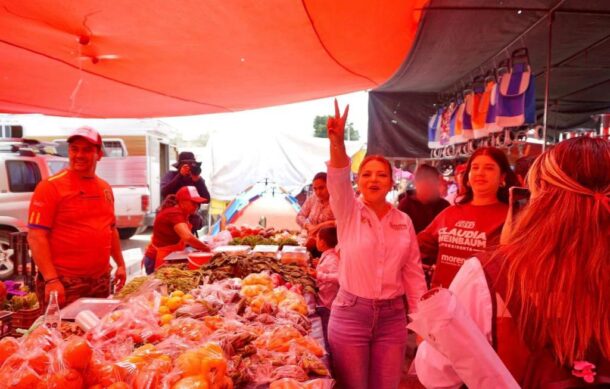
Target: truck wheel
<point>126,233</point>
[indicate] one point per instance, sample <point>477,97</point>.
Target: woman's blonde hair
<point>558,255</point>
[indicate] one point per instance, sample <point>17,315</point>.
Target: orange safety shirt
<point>79,214</point>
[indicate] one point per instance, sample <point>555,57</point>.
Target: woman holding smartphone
<point>542,299</point>
<point>474,224</point>
<point>379,266</point>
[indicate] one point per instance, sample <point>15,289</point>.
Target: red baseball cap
<point>88,133</point>
<point>189,193</point>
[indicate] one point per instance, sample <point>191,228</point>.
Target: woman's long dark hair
<point>510,179</point>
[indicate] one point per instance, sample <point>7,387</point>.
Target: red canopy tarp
<point>134,58</point>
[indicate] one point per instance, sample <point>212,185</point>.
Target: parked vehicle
<point>22,166</point>
<point>24,163</point>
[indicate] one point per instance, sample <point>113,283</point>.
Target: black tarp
<point>461,39</point>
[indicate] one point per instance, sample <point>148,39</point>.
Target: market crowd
<point>529,266</point>
<point>531,274</point>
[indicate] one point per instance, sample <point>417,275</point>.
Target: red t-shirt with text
<point>458,233</point>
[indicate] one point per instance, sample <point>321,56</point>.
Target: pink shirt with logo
<point>327,277</point>
<point>379,259</point>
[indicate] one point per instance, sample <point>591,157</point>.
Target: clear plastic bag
<point>290,383</point>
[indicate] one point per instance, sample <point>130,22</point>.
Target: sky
<point>292,117</point>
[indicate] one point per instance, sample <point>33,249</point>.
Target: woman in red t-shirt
<point>475,222</point>
<point>171,230</point>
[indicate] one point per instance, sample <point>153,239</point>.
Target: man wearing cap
<point>72,231</point>
<point>188,174</point>
<point>172,230</point>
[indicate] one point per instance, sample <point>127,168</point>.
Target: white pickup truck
<point>22,168</point>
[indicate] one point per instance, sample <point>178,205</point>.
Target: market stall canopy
<point>461,39</point>
<point>127,58</point>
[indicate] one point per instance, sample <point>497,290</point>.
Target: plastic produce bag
<point>444,323</point>
<point>290,383</point>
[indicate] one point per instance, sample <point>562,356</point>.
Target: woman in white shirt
<point>379,264</point>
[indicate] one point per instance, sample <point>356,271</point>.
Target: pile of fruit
<point>223,266</point>
<point>220,335</point>
<point>244,231</point>
<point>255,236</point>
<point>258,240</point>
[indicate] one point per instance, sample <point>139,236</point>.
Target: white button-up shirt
<point>379,259</point>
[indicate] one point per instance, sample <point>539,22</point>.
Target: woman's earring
<point>503,184</point>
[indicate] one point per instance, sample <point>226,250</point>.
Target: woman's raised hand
<point>336,125</point>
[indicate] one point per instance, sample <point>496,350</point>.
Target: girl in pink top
<point>379,265</point>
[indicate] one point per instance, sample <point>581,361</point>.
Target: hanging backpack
<point>467,131</point>
<point>445,125</point>
<point>512,88</point>
<point>479,111</point>
<point>453,120</point>
<point>531,369</point>
<point>490,121</point>
<point>432,131</point>
<point>459,123</point>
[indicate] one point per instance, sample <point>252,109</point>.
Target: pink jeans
<point>367,340</point>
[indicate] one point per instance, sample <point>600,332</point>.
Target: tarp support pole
<point>547,81</point>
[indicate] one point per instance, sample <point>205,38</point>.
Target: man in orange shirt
<point>72,231</point>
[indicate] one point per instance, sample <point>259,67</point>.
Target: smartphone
<point>518,197</point>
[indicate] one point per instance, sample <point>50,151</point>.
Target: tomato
<point>77,353</point>
<point>67,379</point>
<point>104,374</point>
<point>40,338</point>
<point>147,379</point>
<point>26,380</point>
<point>193,382</point>
<point>119,385</point>
<point>8,346</point>
<point>40,362</point>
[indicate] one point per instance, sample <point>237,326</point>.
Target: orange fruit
<point>77,353</point>
<point>174,303</point>
<point>166,319</point>
<point>189,363</point>
<point>193,382</point>
<point>164,309</point>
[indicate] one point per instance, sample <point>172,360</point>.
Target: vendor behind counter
<point>172,230</point>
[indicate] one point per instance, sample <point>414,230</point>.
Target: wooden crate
<point>6,323</point>
<point>25,318</point>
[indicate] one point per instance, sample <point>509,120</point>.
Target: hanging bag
<point>512,89</point>
<point>432,131</point>
<point>467,132</point>
<point>479,110</point>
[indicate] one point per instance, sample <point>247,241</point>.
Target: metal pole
<point>547,81</point>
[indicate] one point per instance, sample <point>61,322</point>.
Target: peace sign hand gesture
<point>336,125</point>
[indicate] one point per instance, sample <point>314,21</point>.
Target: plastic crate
<point>6,323</point>
<point>24,319</point>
